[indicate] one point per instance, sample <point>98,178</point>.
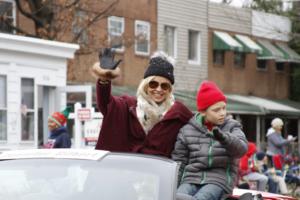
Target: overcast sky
<point>237,3</point>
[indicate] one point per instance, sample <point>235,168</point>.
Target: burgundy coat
<point>122,132</point>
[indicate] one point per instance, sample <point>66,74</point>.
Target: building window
<point>262,65</point>
<point>280,66</point>
<point>219,57</point>
<point>239,59</point>
<point>115,32</point>
<point>3,108</point>
<point>27,109</point>
<point>78,27</point>
<point>170,46</point>
<point>142,37</point>
<point>7,13</point>
<point>194,47</point>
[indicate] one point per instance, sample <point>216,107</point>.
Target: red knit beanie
<point>60,118</point>
<point>208,94</point>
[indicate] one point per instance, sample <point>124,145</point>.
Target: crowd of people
<point>271,170</point>
<point>212,151</point>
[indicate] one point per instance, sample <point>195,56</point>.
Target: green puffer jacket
<point>205,160</point>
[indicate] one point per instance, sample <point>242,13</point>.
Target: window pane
<point>115,31</point>
<point>6,10</point>
<point>116,42</point>
<point>28,126</point>
<point>78,26</point>
<point>262,64</point>
<point>115,27</point>
<point>142,35</point>
<point>218,57</point>
<point>27,93</point>
<point>2,92</point>
<point>239,59</point>
<point>3,122</point>
<point>193,45</point>
<point>169,40</point>
<point>280,66</point>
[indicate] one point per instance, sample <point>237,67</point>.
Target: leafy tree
<point>270,6</point>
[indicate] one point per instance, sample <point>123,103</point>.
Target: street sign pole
<point>78,127</point>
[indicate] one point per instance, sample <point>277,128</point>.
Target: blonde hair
<point>277,122</point>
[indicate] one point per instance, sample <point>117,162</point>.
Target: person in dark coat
<point>148,123</point>
<point>58,133</point>
<point>208,148</point>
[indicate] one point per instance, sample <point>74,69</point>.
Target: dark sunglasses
<point>155,84</point>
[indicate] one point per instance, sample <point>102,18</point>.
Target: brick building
<point>130,27</point>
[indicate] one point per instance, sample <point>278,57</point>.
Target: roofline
<point>37,46</point>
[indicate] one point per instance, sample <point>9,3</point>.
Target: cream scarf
<point>149,112</point>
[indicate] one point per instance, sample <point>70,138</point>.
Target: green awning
<point>223,41</point>
<point>269,51</point>
<point>289,54</point>
<point>236,107</point>
<point>249,45</point>
<point>267,106</point>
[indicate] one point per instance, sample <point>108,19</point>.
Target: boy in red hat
<point>208,148</point>
<point>59,136</point>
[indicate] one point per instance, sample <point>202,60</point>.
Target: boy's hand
<point>218,135</point>
<point>106,57</point>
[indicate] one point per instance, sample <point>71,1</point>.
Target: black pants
<point>270,161</point>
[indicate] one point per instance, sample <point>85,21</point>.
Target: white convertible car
<point>72,174</point>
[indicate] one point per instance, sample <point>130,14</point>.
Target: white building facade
<point>31,72</point>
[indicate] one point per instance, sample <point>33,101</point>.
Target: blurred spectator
<point>249,170</point>
<point>274,179</point>
<point>58,133</point>
<point>276,143</point>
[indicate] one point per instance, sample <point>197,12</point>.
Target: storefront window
<point>3,109</point>
<point>27,109</point>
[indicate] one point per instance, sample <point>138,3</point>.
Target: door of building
<point>46,105</point>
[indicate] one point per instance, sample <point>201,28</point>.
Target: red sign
<point>84,114</point>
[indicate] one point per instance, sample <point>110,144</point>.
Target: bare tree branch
<point>27,14</point>
<point>7,23</point>
<point>96,18</point>
<point>72,4</point>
